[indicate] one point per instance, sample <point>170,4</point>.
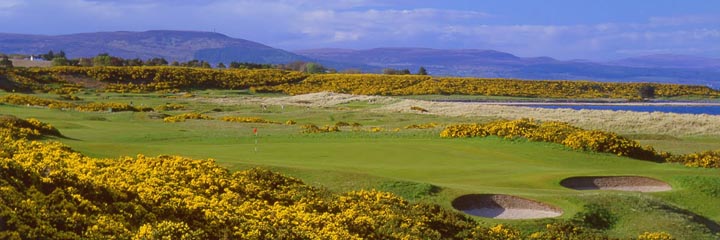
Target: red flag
<point>255,131</point>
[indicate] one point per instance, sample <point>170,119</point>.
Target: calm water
<point>713,110</point>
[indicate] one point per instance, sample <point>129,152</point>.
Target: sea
<point>691,109</point>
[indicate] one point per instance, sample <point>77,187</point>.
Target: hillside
<point>490,63</point>
<point>172,45</point>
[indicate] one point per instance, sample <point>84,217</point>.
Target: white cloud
<point>8,6</point>
<point>345,36</point>
<point>5,4</point>
<point>325,26</point>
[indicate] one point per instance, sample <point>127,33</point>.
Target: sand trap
<point>504,207</point>
<point>620,183</point>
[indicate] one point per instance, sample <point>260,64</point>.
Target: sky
<point>563,29</point>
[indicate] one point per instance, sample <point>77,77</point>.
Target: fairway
<point>395,159</point>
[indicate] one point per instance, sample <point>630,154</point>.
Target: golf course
<point>341,143</point>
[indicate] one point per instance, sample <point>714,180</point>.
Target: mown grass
<point>415,164</point>
<point>684,144</point>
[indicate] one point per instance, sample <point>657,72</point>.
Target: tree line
<point>104,59</point>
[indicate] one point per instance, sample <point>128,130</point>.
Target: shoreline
<point>530,103</point>
<point>672,104</point>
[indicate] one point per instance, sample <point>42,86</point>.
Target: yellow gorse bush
<point>577,138</point>
<point>655,236</point>
<point>422,126</point>
<point>247,120</point>
<point>185,116</point>
<point>464,130</point>
<point>606,142</point>
<point>164,78</point>
<point>18,99</point>
<point>26,128</point>
<point>312,128</point>
<point>364,84</point>
<point>111,107</point>
<point>169,107</point>
<point>372,84</point>
<point>706,159</point>
<point>552,131</point>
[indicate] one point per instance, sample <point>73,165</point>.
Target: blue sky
<point>564,29</point>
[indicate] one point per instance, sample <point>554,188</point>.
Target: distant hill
<point>490,63</point>
<point>668,61</point>
<point>427,56</point>
<point>171,45</point>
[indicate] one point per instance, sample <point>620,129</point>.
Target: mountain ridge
<point>170,44</point>
<point>669,61</point>
<point>492,63</point>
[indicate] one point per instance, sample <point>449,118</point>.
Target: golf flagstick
<point>256,140</point>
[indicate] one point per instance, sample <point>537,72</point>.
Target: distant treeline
<point>106,60</point>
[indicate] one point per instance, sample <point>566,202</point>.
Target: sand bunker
<point>620,183</point>
<point>504,207</point>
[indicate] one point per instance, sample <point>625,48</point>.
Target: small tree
<point>60,61</point>
<point>647,91</point>
<point>49,56</point>
<point>5,62</point>
<point>102,59</point>
<point>422,71</point>
<point>314,68</point>
<point>221,65</point>
<point>156,62</point>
